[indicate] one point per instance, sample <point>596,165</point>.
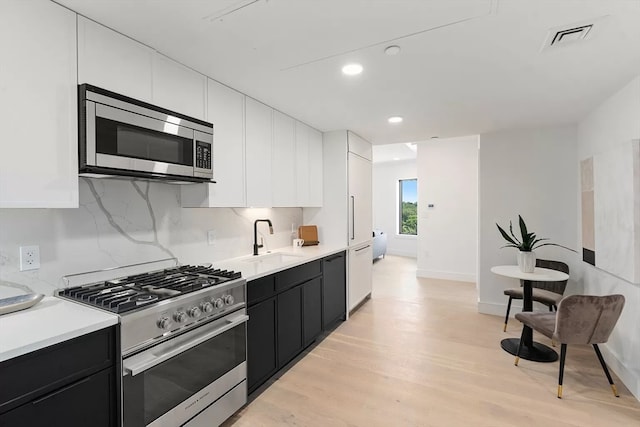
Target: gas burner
<point>133,292</point>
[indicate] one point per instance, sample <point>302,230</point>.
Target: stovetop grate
<point>132,292</point>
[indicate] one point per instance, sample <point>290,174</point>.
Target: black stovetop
<point>133,292</point>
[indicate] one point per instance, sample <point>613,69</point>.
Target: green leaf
<point>523,229</point>
<point>514,236</point>
<point>506,236</point>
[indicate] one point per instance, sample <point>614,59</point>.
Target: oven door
<point>172,382</point>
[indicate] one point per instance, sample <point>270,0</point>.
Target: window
<point>408,198</point>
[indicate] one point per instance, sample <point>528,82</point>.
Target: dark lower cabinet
<point>261,343</point>
<point>72,383</point>
<point>311,310</point>
<point>334,289</point>
<point>85,402</point>
<point>289,310</point>
<point>289,324</point>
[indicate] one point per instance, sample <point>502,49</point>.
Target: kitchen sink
<point>273,258</point>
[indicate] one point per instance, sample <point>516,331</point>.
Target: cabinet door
<point>308,166</point>
<point>258,134</point>
<point>289,325</point>
<point>178,88</point>
<point>109,60</point>
<point>226,111</point>
<point>303,195</point>
<point>38,106</point>
<point>333,289</point>
<point>311,310</point>
<point>91,398</point>
<point>283,161</point>
<point>360,271</point>
<point>261,343</point>
<point>315,168</point>
<point>360,199</point>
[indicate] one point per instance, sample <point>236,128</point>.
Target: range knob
<point>206,307</point>
<point>164,323</point>
<point>194,312</point>
<point>180,316</point>
<point>218,303</point>
<point>228,299</point>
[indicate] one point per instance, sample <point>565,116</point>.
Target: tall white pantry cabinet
<point>346,216</point>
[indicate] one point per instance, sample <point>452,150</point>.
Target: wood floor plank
<point>419,354</point>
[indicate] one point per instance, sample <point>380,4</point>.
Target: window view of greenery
<point>408,207</point>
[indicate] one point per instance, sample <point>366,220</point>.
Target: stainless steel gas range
<point>183,339</point>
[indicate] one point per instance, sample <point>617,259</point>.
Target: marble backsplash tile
<point>123,222</point>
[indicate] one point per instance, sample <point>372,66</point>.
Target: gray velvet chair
<point>580,319</point>
<point>547,293</point>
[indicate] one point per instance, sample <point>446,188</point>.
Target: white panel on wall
<point>616,210</point>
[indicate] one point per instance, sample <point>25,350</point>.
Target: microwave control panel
<point>203,155</point>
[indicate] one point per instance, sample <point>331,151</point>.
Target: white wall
<point>533,173</point>
<point>122,222</point>
<point>385,204</point>
<point>615,121</point>
<point>448,233</point>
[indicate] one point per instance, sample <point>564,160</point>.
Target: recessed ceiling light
<point>392,50</point>
<point>395,119</point>
<point>352,69</point>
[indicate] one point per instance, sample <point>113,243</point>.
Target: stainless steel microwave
<point>123,137</point>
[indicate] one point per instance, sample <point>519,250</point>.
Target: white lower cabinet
<point>38,106</point>
<point>360,274</point>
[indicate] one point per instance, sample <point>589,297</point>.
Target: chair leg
<point>506,318</point>
<point>551,307</point>
<point>606,370</point>
<point>519,347</point>
<point>563,355</point>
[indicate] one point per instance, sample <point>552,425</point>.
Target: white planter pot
<point>526,261</point>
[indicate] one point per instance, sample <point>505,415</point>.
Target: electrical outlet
<point>29,257</point>
<point>211,237</point>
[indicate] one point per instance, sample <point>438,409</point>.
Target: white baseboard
<point>408,254</point>
<point>446,275</point>
<point>629,376</point>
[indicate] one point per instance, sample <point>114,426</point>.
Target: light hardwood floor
<point>419,354</point>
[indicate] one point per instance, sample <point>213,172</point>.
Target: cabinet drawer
<point>260,289</point>
<point>89,400</point>
<point>296,275</point>
<point>40,372</point>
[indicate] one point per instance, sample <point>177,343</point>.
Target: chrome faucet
<point>256,246</point>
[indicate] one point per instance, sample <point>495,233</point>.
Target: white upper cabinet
<point>178,88</point>
<point>226,112</point>
<point>111,61</point>
<point>308,166</point>
<point>360,146</point>
<point>38,106</point>
<point>258,137</point>
<point>315,168</point>
<point>283,161</point>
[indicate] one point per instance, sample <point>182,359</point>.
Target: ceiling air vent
<point>571,34</point>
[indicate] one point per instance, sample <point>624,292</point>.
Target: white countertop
<point>254,267</point>
<point>49,322</point>
<point>54,320</point>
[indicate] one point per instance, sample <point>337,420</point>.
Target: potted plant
<point>526,244</point>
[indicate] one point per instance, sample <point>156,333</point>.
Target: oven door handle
<point>140,365</point>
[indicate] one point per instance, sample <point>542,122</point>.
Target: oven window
<point>152,393</point>
<point>121,139</point>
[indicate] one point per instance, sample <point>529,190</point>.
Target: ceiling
<point>466,66</point>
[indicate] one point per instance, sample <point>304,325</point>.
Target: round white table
<point>531,350</point>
